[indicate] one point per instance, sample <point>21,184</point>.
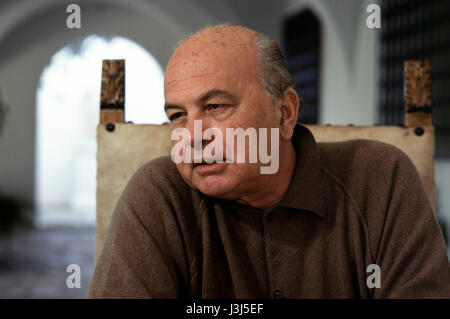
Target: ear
<point>289,108</point>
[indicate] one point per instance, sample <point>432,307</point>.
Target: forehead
<point>210,61</point>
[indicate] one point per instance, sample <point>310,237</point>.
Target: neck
<point>271,188</point>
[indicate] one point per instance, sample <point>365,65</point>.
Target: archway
<point>67,115</point>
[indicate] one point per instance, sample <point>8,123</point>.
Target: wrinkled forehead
<point>209,55</point>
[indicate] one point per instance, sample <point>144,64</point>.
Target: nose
<point>196,126</point>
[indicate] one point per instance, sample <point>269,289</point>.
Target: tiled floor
<point>35,264</point>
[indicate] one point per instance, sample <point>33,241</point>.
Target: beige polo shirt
<point>349,205</point>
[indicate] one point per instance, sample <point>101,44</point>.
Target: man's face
<point>215,81</point>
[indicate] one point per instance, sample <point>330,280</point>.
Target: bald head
<point>230,32</point>
<point>260,55</point>
<point>220,37</point>
<point>212,48</point>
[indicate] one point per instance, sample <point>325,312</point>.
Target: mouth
<point>205,164</point>
<point>205,168</point>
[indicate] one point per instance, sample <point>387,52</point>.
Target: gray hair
<point>274,75</point>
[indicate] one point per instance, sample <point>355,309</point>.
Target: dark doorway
<point>302,43</point>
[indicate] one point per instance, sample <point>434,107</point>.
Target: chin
<point>215,186</point>
<point>221,184</point>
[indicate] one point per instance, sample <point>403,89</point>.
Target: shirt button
<point>277,294</point>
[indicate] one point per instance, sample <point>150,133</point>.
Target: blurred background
<point>50,76</point>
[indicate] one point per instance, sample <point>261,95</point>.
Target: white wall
<point>348,79</point>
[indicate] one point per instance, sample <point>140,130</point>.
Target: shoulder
<point>369,172</point>
<point>359,147</point>
<point>157,197</point>
<point>373,176</point>
<point>160,172</point>
<point>362,159</point>
<point>158,182</point>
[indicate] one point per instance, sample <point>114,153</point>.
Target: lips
<point>204,163</point>
<point>209,161</point>
<point>205,168</point>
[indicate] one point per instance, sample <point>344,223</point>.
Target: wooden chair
<point>124,147</point>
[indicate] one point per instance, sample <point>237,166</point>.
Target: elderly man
<point>310,229</point>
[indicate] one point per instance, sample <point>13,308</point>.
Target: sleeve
<point>411,250</point>
<point>142,256</point>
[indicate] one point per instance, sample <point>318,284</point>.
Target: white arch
<point>67,116</point>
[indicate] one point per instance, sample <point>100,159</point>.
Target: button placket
<point>271,253</point>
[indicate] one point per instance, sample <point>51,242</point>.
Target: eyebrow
<point>171,106</point>
<point>214,93</point>
<point>205,96</point>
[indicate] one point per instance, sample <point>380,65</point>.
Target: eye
<point>175,116</point>
<point>214,107</point>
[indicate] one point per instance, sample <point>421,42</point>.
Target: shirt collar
<point>305,191</point>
